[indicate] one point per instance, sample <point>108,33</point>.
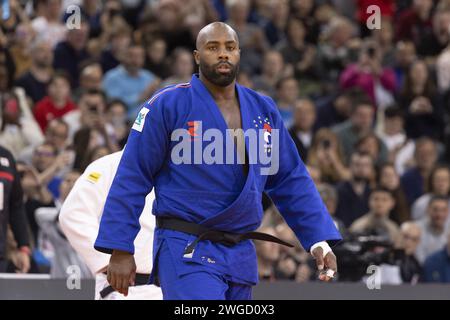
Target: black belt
<point>140,280</point>
<point>203,233</point>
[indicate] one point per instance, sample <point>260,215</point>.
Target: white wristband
<point>322,244</point>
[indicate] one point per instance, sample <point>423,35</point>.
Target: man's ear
<point>197,57</point>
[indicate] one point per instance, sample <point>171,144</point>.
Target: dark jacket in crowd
<point>11,205</point>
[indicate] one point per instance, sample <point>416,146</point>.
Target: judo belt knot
<point>203,233</point>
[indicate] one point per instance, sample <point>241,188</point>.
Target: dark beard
<point>221,80</point>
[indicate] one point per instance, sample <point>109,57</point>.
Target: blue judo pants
<point>200,285</point>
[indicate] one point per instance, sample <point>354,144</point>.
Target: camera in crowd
<point>356,253</point>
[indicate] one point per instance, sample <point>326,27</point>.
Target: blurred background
<point>368,110</point>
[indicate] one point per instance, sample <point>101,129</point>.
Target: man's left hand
<point>327,265</point>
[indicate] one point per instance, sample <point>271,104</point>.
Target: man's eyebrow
<point>211,42</point>
<point>218,42</point>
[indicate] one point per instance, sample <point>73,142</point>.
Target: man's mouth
<point>224,67</point>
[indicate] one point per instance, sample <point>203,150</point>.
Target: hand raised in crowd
<point>421,105</point>
<point>64,159</point>
<point>308,59</point>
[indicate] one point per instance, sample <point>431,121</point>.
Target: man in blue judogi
<point>208,194</point>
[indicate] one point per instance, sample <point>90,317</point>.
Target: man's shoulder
<point>255,94</point>
<point>361,223</point>
<point>171,93</point>
<point>261,100</point>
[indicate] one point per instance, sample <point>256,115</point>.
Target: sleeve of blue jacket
<point>296,197</point>
<point>143,156</point>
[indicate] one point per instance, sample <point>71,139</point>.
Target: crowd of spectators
<point>368,111</point>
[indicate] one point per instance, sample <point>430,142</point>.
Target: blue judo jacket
<point>218,195</point>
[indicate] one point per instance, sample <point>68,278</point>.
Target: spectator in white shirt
<point>433,228</point>
<point>49,26</point>
<point>439,185</point>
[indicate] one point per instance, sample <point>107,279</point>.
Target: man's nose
<point>223,54</point>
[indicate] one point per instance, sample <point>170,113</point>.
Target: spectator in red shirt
<point>57,103</point>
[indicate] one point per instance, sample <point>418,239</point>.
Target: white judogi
<point>80,218</point>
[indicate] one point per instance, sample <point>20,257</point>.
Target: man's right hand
<point>121,271</point>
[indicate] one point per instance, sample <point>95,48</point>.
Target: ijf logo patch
<point>94,177</point>
<point>140,120</point>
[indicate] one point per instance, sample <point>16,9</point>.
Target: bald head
<point>214,30</point>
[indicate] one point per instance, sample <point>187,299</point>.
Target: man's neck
<point>60,103</point>
<point>219,92</point>
<point>436,229</point>
<point>418,88</point>
<point>378,216</point>
<point>132,72</point>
